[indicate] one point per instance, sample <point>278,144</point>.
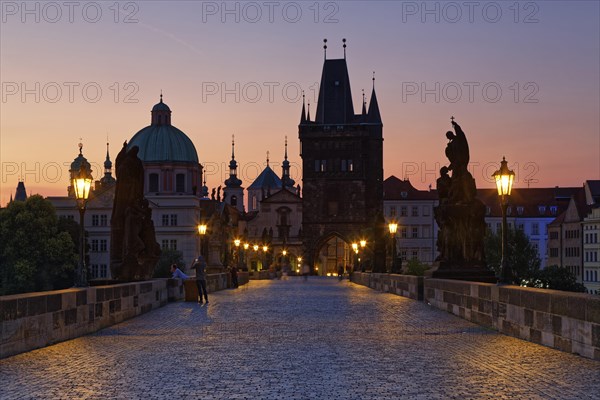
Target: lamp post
<point>202,232</point>
<point>237,243</point>
<point>363,244</point>
<point>393,227</point>
<point>82,182</point>
<point>245,260</point>
<point>504,180</point>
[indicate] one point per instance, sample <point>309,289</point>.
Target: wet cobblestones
<point>294,340</point>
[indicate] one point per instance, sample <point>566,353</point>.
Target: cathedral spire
<point>303,115</point>
<point>344,41</point>
<point>233,181</point>
<point>308,114</point>
<point>286,180</point>
<point>325,48</point>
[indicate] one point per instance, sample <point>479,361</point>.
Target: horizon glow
<point>521,78</point>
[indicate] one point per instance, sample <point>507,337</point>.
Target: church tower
<point>342,166</point>
<point>233,191</point>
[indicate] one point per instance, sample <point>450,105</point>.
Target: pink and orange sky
<point>522,79</point>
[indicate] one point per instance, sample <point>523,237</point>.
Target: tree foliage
<point>522,257</point>
<point>35,253</point>
<point>415,267</point>
<point>525,263</point>
<point>168,257</point>
<point>558,278</point>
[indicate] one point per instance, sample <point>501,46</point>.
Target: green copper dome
<point>161,141</point>
<point>164,143</point>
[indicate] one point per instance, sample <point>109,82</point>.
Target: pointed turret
<point>364,103</point>
<point>286,181</point>
<point>303,115</point>
<point>21,193</point>
<point>107,179</point>
<point>374,115</point>
<point>308,114</point>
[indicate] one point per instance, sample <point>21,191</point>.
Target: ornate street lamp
<point>363,244</point>
<point>504,181</point>
<point>82,183</point>
<point>202,232</point>
<point>393,227</point>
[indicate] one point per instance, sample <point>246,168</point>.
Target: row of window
<point>414,211</point>
<point>591,256</point>
<point>169,220</point>
<point>331,166</point>
<point>169,244</point>
<point>99,220</point>
<point>99,246</point>
<point>572,252</point>
<point>572,234</point>
<point>99,271</point>
<point>153,183</point>
<point>591,276</point>
<point>423,255</point>
<point>591,238</point>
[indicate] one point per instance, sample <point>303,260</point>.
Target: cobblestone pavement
<point>294,340</point>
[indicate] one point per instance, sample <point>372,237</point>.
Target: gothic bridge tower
<point>342,167</point>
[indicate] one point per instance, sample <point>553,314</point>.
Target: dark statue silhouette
<point>134,251</point>
<point>460,216</point>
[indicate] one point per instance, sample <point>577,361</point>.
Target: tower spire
<point>232,147</point>
<point>267,158</point>
<point>325,48</point>
<point>344,41</point>
<point>364,103</point>
<point>374,114</point>
<point>308,114</point>
<point>285,156</point>
<point>303,115</point>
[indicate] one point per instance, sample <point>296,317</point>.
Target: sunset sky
<point>522,79</point>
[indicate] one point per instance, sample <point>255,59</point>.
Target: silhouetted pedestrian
<point>200,267</point>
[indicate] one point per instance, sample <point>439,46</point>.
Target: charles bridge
<point>290,339</point>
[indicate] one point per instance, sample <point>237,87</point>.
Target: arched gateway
<point>331,252</point>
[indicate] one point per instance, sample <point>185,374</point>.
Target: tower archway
<point>332,251</point>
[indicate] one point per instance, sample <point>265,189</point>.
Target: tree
<point>168,257</point>
<point>522,257</point>
<point>416,267</point>
<point>35,254</point>
<point>557,278</point>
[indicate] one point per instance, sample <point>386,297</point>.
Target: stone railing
<point>563,320</point>
<point>402,285</point>
<point>33,320</point>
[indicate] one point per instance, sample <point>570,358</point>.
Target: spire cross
<point>286,147</point>
<point>161,95</point>
<point>267,158</point>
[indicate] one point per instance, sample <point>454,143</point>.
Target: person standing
<point>200,268</point>
<point>305,271</point>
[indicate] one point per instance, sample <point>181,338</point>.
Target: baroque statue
<point>460,216</point>
<point>134,251</point>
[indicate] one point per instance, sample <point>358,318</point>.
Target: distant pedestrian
<point>234,277</point>
<point>305,271</point>
<point>177,273</point>
<point>200,267</point>
<point>340,272</point>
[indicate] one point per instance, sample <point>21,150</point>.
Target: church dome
<point>79,160</point>
<point>161,141</point>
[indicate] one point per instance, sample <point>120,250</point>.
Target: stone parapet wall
<point>403,285</point>
<point>33,320</point>
<point>563,320</point>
